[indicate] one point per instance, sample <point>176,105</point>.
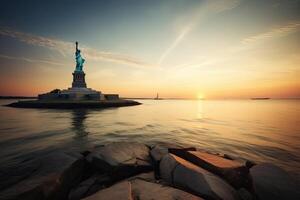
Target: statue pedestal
<point>78,79</point>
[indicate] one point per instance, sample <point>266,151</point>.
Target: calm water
<point>256,130</point>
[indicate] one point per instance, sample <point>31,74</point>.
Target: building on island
<point>79,90</point>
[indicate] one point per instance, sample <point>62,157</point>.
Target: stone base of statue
<point>78,79</point>
<point>78,91</point>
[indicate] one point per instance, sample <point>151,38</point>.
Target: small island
<point>78,96</point>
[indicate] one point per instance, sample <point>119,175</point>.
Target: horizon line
<point>166,98</point>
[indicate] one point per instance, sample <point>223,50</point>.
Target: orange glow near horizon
<point>176,84</point>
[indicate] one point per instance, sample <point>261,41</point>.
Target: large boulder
<point>272,182</point>
<point>48,177</point>
<point>122,159</point>
<point>158,152</point>
<point>142,190</point>
<point>118,191</point>
<point>236,173</point>
<point>245,194</point>
<point>90,186</point>
<point>183,174</point>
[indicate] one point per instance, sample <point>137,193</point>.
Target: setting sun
<point>200,96</point>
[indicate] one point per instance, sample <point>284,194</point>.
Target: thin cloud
<point>31,60</point>
<point>207,8</point>
<point>246,44</point>
<point>64,48</point>
<point>274,33</point>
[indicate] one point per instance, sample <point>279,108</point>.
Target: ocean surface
<point>258,130</point>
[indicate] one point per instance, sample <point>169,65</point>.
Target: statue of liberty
<point>79,59</point>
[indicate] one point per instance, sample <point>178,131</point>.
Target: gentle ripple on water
<point>262,131</point>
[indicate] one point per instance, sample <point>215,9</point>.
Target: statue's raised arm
<point>79,59</point>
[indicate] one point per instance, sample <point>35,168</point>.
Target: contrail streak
<point>207,8</point>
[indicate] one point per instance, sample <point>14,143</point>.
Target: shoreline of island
<point>165,98</point>
<point>60,104</point>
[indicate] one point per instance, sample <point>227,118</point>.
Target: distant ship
<point>260,98</point>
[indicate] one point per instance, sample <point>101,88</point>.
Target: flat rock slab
<point>234,172</point>
<point>121,159</point>
<point>272,182</point>
<point>73,104</point>
<point>142,190</point>
<point>183,174</point>
<point>118,191</point>
<point>100,181</point>
<point>149,176</point>
<point>49,177</point>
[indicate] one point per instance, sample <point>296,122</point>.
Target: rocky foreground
<point>135,171</point>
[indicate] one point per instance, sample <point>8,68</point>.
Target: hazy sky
<point>178,48</point>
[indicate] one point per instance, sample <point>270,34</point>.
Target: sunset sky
<point>178,48</point>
